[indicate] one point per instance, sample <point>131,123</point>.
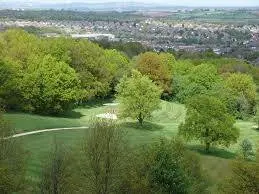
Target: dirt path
<point>45,130</point>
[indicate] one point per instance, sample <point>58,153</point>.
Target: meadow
<point>164,123</point>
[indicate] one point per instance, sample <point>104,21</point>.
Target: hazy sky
<point>172,2</point>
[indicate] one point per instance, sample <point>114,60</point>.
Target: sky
<point>161,2</point>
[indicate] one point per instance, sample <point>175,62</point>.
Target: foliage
<point>8,84</point>
<point>158,67</point>
<point>246,148</point>
<point>130,49</point>
<point>165,167</point>
<point>191,81</point>
<point>245,178</point>
<point>118,65</point>
<point>88,60</point>
<point>48,76</point>
<point>56,174</point>
<point>208,120</point>
<point>48,86</point>
<point>103,152</point>
<point>12,161</point>
<point>243,87</point>
<point>138,96</point>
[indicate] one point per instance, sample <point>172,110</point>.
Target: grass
<point>23,122</point>
<point>164,123</point>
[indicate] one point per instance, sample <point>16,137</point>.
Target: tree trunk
<point>207,144</point>
<point>207,147</point>
<point>140,119</point>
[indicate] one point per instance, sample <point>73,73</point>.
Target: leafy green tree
<point>60,48</point>
<point>198,80</point>
<point>208,120</point>
<point>243,87</point>
<point>182,67</point>
<point>225,95</point>
<point>18,46</point>
<point>165,167</point>
<point>8,85</point>
<point>48,86</point>
<point>118,65</point>
<point>12,161</point>
<point>89,62</point>
<point>138,96</point>
<point>205,75</point>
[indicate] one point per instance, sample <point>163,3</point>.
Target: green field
<point>164,123</point>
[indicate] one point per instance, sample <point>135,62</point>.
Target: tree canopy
<point>138,96</point>
<point>158,67</point>
<point>208,120</point>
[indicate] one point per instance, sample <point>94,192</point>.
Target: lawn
<point>164,123</point>
<point>23,122</point>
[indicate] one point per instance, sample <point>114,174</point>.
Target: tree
<point>18,45</point>
<point>103,151</point>
<point>194,81</point>
<point>56,175</point>
<point>208,120</point>
<point>158,67</point>
<point>205,75</point>
<point>12,161</point>
<point>118,65</point>
<point>48,86</point>
<point>137,96</point>
<point>8,85</point>
<point>243,87</point>
<point>89,62</point>
<point>244,178</point>
<point>164,167</point>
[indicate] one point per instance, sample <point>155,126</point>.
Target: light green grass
<point>22,122</point>
<point>164,123</point>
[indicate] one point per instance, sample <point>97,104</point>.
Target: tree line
<point>53,75</point>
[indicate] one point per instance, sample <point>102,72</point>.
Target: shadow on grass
<point>96,102</point>
<point>217,152</point>
<point>148,126</point>
<point>71,115</point>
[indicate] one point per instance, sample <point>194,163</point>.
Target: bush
<point>246,148</point>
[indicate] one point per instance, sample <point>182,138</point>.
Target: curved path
<point>45,130</point>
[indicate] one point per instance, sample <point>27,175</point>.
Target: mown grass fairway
<point>164,123</point>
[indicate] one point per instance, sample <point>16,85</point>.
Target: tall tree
<point>56,175</point>
<point>138,96</point>
<point>89,62</point>
<point>118,65</point>
<point>208,120</point>
<point>103,152</point>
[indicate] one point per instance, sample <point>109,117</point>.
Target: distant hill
<point>115,6</point>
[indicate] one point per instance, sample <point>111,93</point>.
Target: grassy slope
<point>164,123</point>
<point>28,122</point>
